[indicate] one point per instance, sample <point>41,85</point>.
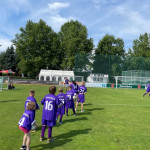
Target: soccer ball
<point>74,97</point>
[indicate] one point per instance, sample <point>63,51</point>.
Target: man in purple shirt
<point>81,98</point>
<point>25,124</point>
<point>61,100</point>
<point>70,102</point>
<point>32,99</point>
<point>147,90</point>
<point>50,103</point>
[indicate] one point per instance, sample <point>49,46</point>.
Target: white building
<point>55,75</point>
<point>99,78</point>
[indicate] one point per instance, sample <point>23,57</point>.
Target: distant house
<point>55,75</point>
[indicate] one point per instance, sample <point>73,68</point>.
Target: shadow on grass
<point>93,109</point>
<point>75,119</point>
<point>6,101</point>
<point>87,104</point>
<point>61,139</point>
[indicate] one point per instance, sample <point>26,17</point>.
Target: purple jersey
<point>31,98</point>
<point>75,88</point>
<point>82,90</point>
<point>50,107</point>
<point>61,99</point>
<point>69,98</point>
<point>67,81</point>
<point>27,119</point>
<point>148,85</point>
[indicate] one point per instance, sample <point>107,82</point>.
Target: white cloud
<point>5,43</point>
<point>56,6</point>
<point>51,15</point>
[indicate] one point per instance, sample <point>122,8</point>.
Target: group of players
<point>54,106</point>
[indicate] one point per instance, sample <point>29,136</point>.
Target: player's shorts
<point>24,129</point>
<point>148,90</point>
<point>48,123</point>
<point>81,98</point>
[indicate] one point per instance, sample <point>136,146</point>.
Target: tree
<point>141,46</point>
<point>37,47</point>
<point>108,58</point>
<point>110,46</point>
<point>8,59</point>
<point>136,57</point>
<point>73,40</point>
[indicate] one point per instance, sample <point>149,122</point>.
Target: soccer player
<point>31,98</point>
<point>81,97</point>
<point>70,102</point>
<point>49,113</point>
<point>61,110</point>
<point>147,90</point>
<point>74,86</point>
<point>25,124</point>
<point>66,82</point>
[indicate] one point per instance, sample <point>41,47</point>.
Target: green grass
<point>113,120</point>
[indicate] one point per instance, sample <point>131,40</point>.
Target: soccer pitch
<point>113,120</point>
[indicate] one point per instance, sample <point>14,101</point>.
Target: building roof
<point>45,72</point>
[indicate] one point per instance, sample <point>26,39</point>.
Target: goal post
<point>4,81</point>
<point>1,83</point>
<point>78,78</point>
<point>128,81</point>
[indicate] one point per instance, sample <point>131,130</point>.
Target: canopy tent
<point>7,71</point>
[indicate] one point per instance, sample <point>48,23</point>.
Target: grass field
<point>113,120</point>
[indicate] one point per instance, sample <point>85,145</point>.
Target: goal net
<point>4,81</point>
<point>78,78</point>
<point>131,80</point>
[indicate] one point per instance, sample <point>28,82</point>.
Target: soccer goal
<point>78,78</point>
<point>131,80</point>
<point>4,81</point>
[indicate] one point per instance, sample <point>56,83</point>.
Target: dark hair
<point>60,90</point>
<point>74,82</point>
<point>52,90</point>
<point>31,106</point>
<point>32,92</point>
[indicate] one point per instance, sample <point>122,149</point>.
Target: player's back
<point>82,89</point>
<point>50,107</point>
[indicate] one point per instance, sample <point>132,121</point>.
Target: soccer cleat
<point>23,147</point>
<point>60,122</point>
<point>75,109</point>
<point>42,138</point>
<point>50,140</point>
<point>82,110</point>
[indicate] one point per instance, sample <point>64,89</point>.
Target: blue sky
<point>124,19</point>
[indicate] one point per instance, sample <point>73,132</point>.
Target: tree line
<point>37,47</point>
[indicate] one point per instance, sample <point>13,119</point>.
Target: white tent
<point>55,75</point>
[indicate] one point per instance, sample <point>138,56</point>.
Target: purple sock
<point>49,132</point>
<point>61,118</point>
<point>73,111</point>
<point>43,131</point>
<point>144,94</point>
